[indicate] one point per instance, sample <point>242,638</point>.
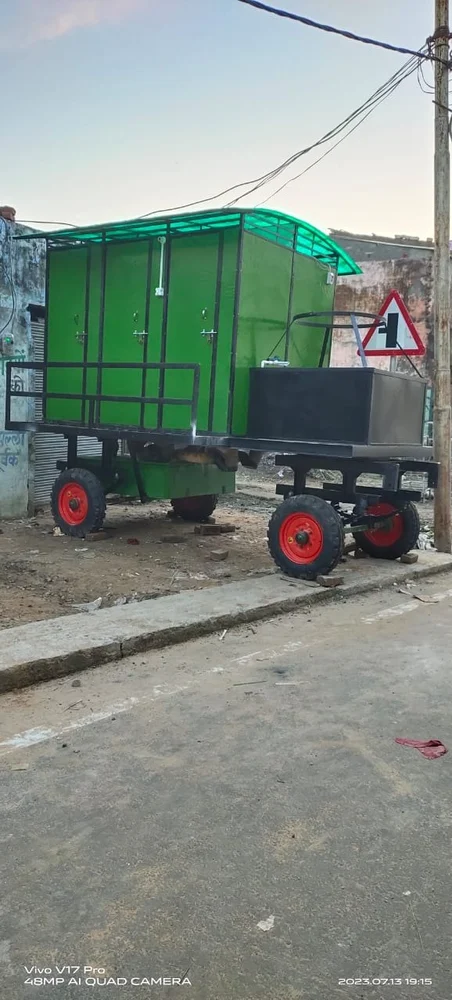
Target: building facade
<point>404,263</point>
<point>22,297</point>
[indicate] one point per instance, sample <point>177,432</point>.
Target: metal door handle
<point>79,336</point>
<point>140,335</point>
<point>209,335</point>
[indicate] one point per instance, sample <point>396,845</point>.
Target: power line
<point>429,89</point>
<point>271,175</point>
<point>343,137</point>
<point>381,94</point>
<point>361,113</point>
<point>338,31</point>
<point>45,222</point>
<point>7,236</point>
<point>192,204</point>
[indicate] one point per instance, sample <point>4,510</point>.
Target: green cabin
<point>214,289</point>
<point>203,341</point>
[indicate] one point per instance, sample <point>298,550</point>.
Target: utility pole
<point>441,282</point>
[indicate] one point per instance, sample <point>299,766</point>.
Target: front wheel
<point>305,537</point>
<point>396,537</point>
<point>78,502</point>
<point>194,508</point>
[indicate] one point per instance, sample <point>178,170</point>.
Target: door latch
<point>139,334</point>
<point>80,335</point>
<point>209,335</point>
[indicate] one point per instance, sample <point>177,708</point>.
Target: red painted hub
<point>301,538</point>
<point>73,503</point>
<point>390,533</point>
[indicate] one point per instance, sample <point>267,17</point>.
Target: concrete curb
<point>45,650</point>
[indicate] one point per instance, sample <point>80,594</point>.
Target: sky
<point>115,108</point>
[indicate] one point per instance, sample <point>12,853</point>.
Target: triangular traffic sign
<point>398,337</point>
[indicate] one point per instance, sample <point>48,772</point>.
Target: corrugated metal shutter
<point>51,448</point>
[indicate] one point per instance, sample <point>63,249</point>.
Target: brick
<point>330,581</point>
<point>215,529</point>
<point>173,539</point>
<point>208,529</point>
<point>218,555</point>
<point>409,558</point>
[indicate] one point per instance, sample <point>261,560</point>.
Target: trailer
<point>188,344</point>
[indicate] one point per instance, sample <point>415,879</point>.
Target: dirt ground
<point>145,554</point>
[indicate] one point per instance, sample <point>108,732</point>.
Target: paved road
<point>238,808</point>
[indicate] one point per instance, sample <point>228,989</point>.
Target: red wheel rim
<point>390,534</point>
<point>301,538</point>
<point>73,503</point>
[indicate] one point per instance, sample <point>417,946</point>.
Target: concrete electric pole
<point>441,281</point>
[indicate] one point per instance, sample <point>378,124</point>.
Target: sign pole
<point>441,281</point>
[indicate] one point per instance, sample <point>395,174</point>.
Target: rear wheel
<point>78,502</point>
<point>194,508</point>
<point>396,537</point>
<point>305,537</point>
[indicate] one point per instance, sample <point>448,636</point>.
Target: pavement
<point>237,811</point>
<point>58,646</point>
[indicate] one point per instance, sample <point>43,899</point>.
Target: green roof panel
<point>267,223</point>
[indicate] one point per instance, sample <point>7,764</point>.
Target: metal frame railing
<point>95,399</point>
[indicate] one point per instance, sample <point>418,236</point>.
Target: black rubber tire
<point>96,502</point>
<point>406,542</point>
<point>195,508</point>
<point>333,536</point>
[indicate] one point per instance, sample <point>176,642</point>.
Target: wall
<point>22,283</point>
<point>386,265</point>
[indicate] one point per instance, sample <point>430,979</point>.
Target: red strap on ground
<point>428,748</point>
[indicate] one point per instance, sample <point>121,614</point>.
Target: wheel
<point>394,539</point>
<point>305,537</point>
<point>194,508</point>
<point>78,502</point>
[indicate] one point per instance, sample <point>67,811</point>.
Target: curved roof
<point>265,222</point>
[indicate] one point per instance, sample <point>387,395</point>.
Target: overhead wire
<point>318,160</point>
<point>8,237</point>
<point>45,222</point>
<point>425,86</point>
<point>336,144</point>
<point>361,113</point>
<point>270,175</point>
<point>339,31</point>
<point>383,92</point>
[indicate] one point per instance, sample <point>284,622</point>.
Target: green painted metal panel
<point>163,481</point>
<point>276,283</point>
<point>124,315</point>
<point>92,330</point>
<point>263,308</point>
<point>206,281</point>
<point>154,340</point>
<point>225,329</point>
<point>311,293</point>
<point>66,319</point>
<point>193,272</point>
